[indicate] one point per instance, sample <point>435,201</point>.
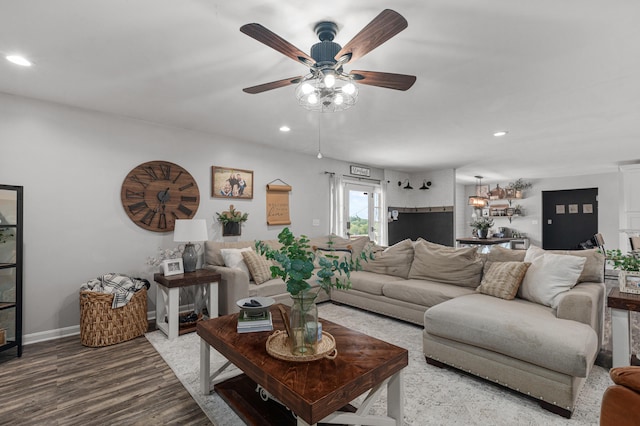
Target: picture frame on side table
<point>629,282</point>
<point>227,182</point>
<point>172,267</point>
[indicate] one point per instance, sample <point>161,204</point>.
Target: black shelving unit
<point>11,204</point>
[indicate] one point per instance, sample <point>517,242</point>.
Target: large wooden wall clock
<point>156,193</point>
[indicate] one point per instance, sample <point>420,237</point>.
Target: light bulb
<point>338,99</point>
<point>329,80</point>
<point>312,99</point>
<point>307,88</point>
<point>349,88</point>
<point>319,155</point>
<point>18,60</point>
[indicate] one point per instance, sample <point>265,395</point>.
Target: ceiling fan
<point>328,87</point>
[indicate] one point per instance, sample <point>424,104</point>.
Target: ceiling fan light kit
<point>328,88</point>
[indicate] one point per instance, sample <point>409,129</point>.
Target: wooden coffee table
<point>316,390</point>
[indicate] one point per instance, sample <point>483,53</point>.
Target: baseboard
<point>59,333</point>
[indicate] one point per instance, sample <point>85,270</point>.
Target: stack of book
<point>249,321</point>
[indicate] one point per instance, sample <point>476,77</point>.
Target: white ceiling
<point>562,76</point>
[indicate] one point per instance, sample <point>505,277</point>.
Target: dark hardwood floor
<point>61,382</point>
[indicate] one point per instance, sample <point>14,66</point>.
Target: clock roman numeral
<point>162,221</point>
<point>136,179</point>
<point>134,194</point>
<point>165,169</point>
<point>148,217</point>
<point>188,199</point>
<point>138,207</point>
<point>185,210</point>
<point>182,188</point>
<point>177,177</point>
<point>152,173</point>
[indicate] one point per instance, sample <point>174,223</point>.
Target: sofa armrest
<point>626,376</point>
<point>584,303</point>
<point>233,286</point>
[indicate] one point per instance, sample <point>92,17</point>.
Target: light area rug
<point>433,396</point>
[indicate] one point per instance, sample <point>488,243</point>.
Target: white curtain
<point>383,224</point>
<point>336,214</point>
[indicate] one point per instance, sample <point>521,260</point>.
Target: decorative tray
<point>279,346</point>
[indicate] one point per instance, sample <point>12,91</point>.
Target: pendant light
<point>478,201</point>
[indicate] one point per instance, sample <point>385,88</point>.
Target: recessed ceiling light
<point>18,60</point>
<point>285,128</point>
<point>500,133</point>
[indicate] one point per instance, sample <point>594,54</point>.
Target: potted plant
<point>295,265</point>
<point>518,186</point>
<point>482,225</point>
<point>629,269</point>
<point>231,221</point>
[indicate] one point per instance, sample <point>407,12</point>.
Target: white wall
<point>72,163</point>
<point>441,192</point>
<point>531,223</point>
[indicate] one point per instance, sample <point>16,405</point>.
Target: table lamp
<point>186,231</point>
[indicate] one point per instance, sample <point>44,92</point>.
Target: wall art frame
<point>228,182</point>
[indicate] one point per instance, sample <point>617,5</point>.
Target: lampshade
<point>187,230</point>
<point>478,201</point>
<point>327,91</point>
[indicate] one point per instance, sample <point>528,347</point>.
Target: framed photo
<point>485,212</point>
<point>231,183</point>
<point>482,191</point>
<point>573,208</point>
<point>172,267</point>
<point>629,282</point>
<point>587,208</point>
<point>510,193</point>
<point>559,208</point>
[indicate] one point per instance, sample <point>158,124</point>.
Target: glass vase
<point>304,324</point>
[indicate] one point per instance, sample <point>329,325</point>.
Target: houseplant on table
<point>231,221</point>
<point>482,225</point>
<point>295,265</point>
<point>629,269</point>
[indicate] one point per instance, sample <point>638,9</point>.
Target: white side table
<point>168,298</point>
<point>621,304</point>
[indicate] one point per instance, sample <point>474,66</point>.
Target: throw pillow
<point>233,258</point>
<point>395,260</point>
<point>449,265</point>
<point>259,267</point>
<point>549,276</point>
<point>502,279</point>
<point>503,254</point>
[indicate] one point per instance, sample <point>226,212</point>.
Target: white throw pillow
<point>549,276</point>
<point>233,258</point>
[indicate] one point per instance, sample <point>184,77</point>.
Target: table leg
<point>620,337</point>
<point>173,312</point>
<point>395,398</point>
<point>213,300</point>
<point>205,378</point>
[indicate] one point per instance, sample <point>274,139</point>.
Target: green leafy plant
<point>296,264</point>
<point>624,262</point>
<point>519,185</point>
<point>482,223</point>
<point>232,216</point>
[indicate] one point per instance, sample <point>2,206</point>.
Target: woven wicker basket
<point>101,325</point>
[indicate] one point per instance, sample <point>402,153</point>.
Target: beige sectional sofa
<point>540,344</point>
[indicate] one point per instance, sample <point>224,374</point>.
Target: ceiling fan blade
<point>272,85</point>
<point>384,26</point>
<point>384,79</point>
<point>276,42</point>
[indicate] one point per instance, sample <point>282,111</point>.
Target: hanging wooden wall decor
<point>278,203</point>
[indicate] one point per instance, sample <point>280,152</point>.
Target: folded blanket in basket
<point>123,287</point>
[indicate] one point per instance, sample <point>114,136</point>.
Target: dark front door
<point>569,217</point>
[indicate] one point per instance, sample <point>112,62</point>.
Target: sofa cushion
<point>330,254</point>
<point>449,265</point>
<point>518,329</point>
<point>271,287</point>
<point>370,282</point>
<point>503,254</point>
<point>593,267</point>
<point>212,254</point>
<point>395,260</point>
<point>549,276</point>
<point>423,292</point>
<point>502,279</point>
<point>233,258</point>
<point>259,267</point>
